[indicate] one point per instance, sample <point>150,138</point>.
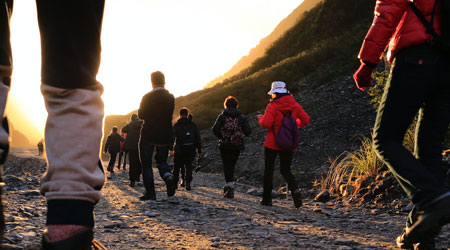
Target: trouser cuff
<point>70,212</point>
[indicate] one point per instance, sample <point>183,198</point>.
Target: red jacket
<point>272,118</point>
<point>396,25</point>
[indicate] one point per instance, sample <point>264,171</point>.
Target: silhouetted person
<point>122,153</point>
<point>70,46</point>
<point>282,102</point>
<point>133,131</point>
<point>188,143</point>
<point>112,146</point>
<point>418,83</point>
<point>230,128</point>
<point>40,146</point>
<point>156,109</point>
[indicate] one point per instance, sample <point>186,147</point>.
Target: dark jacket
<point>133,130</point>
<point>179,129</point>
<point>232,112</point>
<point>156,110</point>
<point>113,143</point>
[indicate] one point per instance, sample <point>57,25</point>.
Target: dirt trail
<point>202,219</point>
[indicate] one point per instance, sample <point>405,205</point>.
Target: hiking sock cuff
<point>70,212</point>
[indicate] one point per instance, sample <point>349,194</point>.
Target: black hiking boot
<point>148,195</point>
<point>188,186</point>
<point>170,185</point>
<point>228,192</point>
<point>132,183</point>
<point>297,197</point>
<point>429,222</point>
<point>426,244</point>
<point>83,240</point>
<point>266,202</point>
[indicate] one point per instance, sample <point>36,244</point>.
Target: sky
<point>191,42</point>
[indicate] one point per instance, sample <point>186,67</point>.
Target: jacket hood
<point>184,121</point>
<point>285,102</point>
<point>233,112</point>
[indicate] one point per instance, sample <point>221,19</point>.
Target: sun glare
<point>191,42</point>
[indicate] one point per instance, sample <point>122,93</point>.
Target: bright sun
<point>191,42</point>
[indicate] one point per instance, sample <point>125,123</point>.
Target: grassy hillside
<point>260,49</point>
<point>321,46</point>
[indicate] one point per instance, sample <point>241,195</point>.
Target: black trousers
<point>183,159</point>
<point>229,159</point>
<point>112,161</point>
<point>70,49</point>
<point>270,156</point>
<point>419,83</point>
<point>135,169</point>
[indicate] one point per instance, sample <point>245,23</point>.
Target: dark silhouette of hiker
<point>183,168</point>
<point>156,109</point>
<point>188,144</point>
<point>40,146</point>
<point>281,103</point>
<point>70,47</point>
<point>230,128</point>
<point>133,131</point>
<point>112,146</point>
<point>418,83</point>
<point>122,153</point>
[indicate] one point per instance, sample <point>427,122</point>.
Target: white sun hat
<point>278,87</point>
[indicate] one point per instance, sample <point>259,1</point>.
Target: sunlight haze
<point>191,42</point>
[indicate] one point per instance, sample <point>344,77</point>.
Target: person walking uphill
<point>112,146</point>
<point>282,104</point>
<point>156,110</point>
<point>133,131</point>
<point>187,142</point>
<point>418,83</point>
<point>230,128</point>
<point>70,34</point>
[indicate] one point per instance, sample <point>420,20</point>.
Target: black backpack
<point>187,138</point>
<point>441,42</point>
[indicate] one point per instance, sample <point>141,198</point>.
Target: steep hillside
<point>321,46</point>
<point>265,43</point>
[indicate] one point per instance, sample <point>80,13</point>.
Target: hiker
<point>282,104</point>
<point>183,168</point>
<point>418,83</point>
<point>70,48</point>
<point>133,131</point>
<point>112,146</point>
<point>122,153</point>
<point>40,146</point>
<point>230,128</point>
<point>187,141</point>
<point>156,109</point>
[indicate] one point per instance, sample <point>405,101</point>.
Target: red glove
<point>363,77</point>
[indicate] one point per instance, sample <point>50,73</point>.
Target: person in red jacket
<point>418,83</point>
<point>282,101</point>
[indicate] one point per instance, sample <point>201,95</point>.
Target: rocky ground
<point>201,218</point>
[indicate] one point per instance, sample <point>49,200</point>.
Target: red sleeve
<point>268,119</point>
<point>388,14</point>
<point>303,118</point>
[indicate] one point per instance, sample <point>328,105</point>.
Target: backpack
<point>441,42</point>
<point>187,139</point>
<point>232,134</point>
<point>287,138</point>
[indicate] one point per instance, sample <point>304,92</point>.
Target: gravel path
<point>202,219</point>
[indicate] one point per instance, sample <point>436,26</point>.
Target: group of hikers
<point>415,33</point>
<point>151,132</point>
